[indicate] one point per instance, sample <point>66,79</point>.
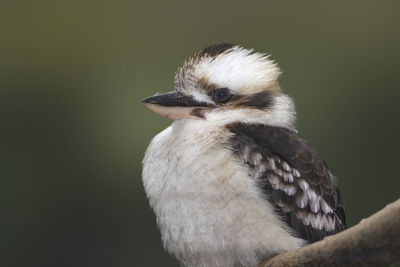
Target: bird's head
<point>226,83</point>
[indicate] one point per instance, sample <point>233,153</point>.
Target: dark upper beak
<point>174,105</point>
<point>174,99</point>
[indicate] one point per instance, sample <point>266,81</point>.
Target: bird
<point>231,181</point>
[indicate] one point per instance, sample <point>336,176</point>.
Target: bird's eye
<point>221,95</point>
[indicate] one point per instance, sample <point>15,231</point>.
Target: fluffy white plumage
<point>241,70</point>
<point>210,212</point>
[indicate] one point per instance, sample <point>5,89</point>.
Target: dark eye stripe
<point>260,100</point>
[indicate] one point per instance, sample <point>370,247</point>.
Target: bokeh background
<point>73,134</point>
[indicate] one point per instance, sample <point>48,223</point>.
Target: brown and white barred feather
<point>292,176</point>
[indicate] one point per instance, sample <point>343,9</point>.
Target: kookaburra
<point>231,181</point>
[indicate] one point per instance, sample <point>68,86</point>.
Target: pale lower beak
<point>176,106</point>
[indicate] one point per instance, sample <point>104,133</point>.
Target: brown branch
<point>375,241</point>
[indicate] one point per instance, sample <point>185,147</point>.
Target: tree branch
<point>375,241</point>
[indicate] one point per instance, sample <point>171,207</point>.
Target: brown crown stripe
<point>212,51</point>
<point>215,50</point>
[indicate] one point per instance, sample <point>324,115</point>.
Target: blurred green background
<point>73,134</point>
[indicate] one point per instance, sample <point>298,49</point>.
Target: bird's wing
<point>292,176</point>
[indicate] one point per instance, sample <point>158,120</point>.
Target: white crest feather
<point>239,69</point>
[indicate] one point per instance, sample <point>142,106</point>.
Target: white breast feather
<point>209,211</point>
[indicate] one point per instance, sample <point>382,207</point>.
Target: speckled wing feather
<point>292,176</point>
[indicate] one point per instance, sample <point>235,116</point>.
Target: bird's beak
<point>176,106</point>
